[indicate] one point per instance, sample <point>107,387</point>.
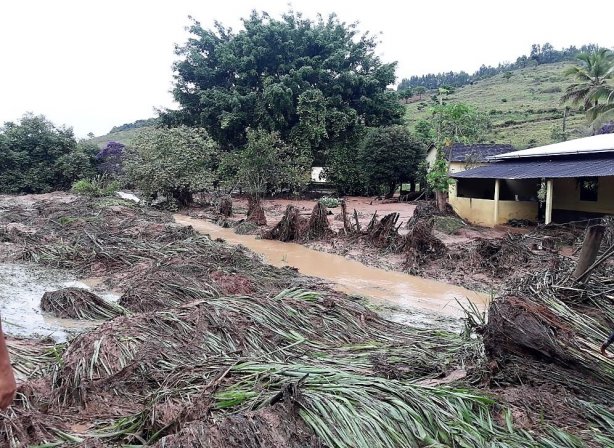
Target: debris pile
<point>420,244</point>
<point>282,361</point>
<point>78,303</point>
<point>545,332</point>
<point>255,212</point>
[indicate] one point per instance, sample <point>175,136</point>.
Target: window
<point>588,188</point>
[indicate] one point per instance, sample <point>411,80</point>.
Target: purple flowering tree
<point>607,128</point>
<point>110,159</point>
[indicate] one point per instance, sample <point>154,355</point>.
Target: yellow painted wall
<point>566,196</point>
<point>481,211</point>
<point>517,210</point>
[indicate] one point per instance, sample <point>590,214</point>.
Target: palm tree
<point>592,75</point>
<point>603,108</point>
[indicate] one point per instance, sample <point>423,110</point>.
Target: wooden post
<point>549,189</point>
<point>590,249</point>
<point>496,198</point>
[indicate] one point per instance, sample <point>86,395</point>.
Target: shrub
<point>98,186</point>
<point>329,202</point>
<point>38,157</point>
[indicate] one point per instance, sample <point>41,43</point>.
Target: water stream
<point>397,296</point>
<point>390,289</point>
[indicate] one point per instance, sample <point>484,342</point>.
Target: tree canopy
<point>38,157</point>
<point>390,156</point>
<point>315,83</point>
<point>458,122</point>
<point>592,74</point>
<point>175,162</point>
<point>266,164</point>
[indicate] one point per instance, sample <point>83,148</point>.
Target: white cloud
<point>93,65</point>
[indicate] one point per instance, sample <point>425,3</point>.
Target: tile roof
<point>537,168</point>
<point>475,153</point>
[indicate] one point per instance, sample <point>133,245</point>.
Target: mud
<point>382,287</point>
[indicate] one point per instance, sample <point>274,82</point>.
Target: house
<point>461,157</point>
<point>566,181</point>
<point>317,174</point>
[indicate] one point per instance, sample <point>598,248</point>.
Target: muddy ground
<point>214,348</point>
<point>478,258</point>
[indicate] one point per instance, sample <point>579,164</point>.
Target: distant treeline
<point>135,125</point>
<point>540,54</point>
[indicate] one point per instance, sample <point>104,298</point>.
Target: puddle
<point>21,288</point>
<point>394,290</point>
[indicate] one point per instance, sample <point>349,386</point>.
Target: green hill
<point>124,137</point>
<point>524,109</point>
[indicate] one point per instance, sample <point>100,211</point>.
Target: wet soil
<point>384,288</point>
<point>459,266</point>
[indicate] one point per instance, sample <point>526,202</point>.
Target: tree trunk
<point>441,200</point>
<point>590,249</point>
<point>289,228</point>
<point>318,223</point>
<point>391,188</point>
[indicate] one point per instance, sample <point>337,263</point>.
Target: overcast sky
<point>95,64</point>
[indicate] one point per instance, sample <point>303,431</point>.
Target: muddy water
<point>21,289</point>
<point>392,290</point>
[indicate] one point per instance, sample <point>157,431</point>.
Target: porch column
<point>549,188</point>
<point>496,198</point>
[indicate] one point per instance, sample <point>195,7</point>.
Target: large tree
<point>314,83</point>
<point>36,156</point>
<point>459,123</point>
<point>390,156</point>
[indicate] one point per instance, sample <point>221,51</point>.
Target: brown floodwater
<point>380,287</point>
<point>22,286</point>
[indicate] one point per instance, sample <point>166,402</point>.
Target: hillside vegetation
<point>125,137</point>
<point>524,109</point>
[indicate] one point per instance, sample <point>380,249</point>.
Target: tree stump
<point>318,222</point>
<point>347,227</point>
<point>384,232</point>
<point>590,249</point>
<point>225,206</point>
<point>255,212</point>
<point>420,243</point>
<point>289,228</point>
